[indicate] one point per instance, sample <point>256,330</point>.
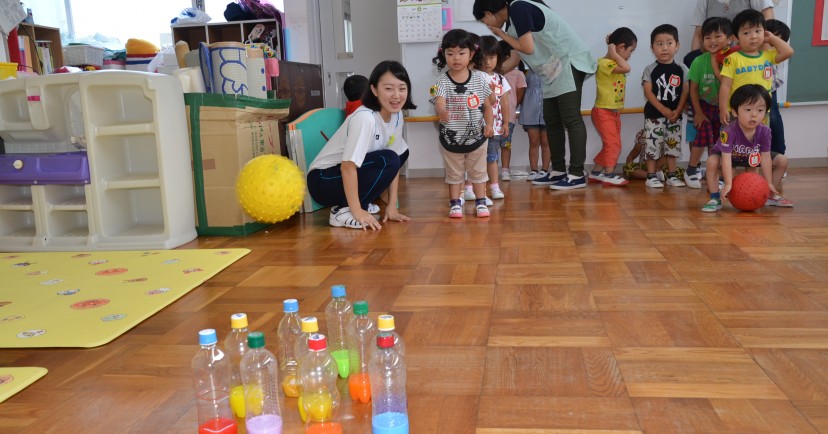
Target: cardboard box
<point>227,131</point>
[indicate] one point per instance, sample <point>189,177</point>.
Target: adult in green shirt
<point>562,60</point>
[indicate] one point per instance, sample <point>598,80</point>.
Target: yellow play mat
<point>13,380</point>
<point>86,299</point>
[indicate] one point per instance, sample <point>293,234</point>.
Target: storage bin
<point>7,70</point>
<point>83,55</point>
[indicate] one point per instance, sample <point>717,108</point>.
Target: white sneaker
<point>654,183</point>
<point>497,193</point>
<point>462,201</point>
<point>660,175</point>
<point>373,208</point>
<point>489,201</point>
<point>468,194</point>
<point>692,181</point>
<point>673,181</point>
<point>533,174</point>
<point>341,217</point>
<point>614,179</point>
<point>505,175</point>
<point>596,177</point>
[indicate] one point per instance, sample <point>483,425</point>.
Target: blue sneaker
<point>569,183</point>
<point>546,178</point>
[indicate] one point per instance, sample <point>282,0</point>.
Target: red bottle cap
<point>385,341</point>
<point>317,342</point>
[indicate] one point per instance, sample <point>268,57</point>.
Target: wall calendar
<point>419,21</point>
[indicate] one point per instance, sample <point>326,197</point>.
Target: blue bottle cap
<point>207,337</point>
<point>338,291</point>
<point>291,305</point>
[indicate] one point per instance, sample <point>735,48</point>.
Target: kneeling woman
<point>363,158</point>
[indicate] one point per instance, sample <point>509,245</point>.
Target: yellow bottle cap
<point>385,323</point>
<point>310,325</point>
<point>238,321</point>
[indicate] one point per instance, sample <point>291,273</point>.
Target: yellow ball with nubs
<point>270,188</point>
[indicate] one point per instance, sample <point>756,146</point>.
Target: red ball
<point>749,192</point>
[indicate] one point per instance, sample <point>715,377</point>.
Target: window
<point>111,24</point>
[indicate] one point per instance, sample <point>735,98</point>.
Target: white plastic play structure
<point>136,192</point>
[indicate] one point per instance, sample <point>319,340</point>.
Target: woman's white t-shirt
<point>362,132</point>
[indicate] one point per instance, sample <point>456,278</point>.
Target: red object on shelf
<point>14,49</point>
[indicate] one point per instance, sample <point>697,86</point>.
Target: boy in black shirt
<point>666,90</point>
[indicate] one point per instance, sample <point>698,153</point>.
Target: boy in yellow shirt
<point>750,65</point>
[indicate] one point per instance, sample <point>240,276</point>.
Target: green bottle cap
<point>361,308</point>
<point>255,340</point>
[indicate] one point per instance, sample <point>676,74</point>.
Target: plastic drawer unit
<point>45,169</point>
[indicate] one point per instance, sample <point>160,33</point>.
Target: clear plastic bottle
<point>385,323</point>
<point>290,329</point>
<point>361,334</point>
<point>211,380</point>
<point>320,396</point>
<point>338,314</point>
<point>309,326</point>
<point>235,346</point>
<point>389,403</point>
<point>259,370</point>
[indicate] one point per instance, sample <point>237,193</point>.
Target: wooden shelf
<point>235,31</point>
<point>42,33</point>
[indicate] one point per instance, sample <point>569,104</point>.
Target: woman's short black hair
<point>749,94</point>
<point>482,6</point>
<point>622,36</point>
<point>370,100</point>
<point>457,38</point>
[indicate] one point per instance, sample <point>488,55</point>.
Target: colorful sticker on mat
<point>81,255</point>
<point>192,270</point>
<point>114,317</point>
<point>23,264</point>
<point>6,379</point>
<point>37,273</point>
<point>31,333</point>
<point>158,291</point>
<point>111,272</point>
<point>11,318</point>
<point>98,262</point>
<point>89,304</point>
<point>69,292</point>
<point>51,282</point>
<point>171,261</point>
<point>136,280</point>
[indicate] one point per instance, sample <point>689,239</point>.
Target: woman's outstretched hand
<point>391,213</point>
<point>366,219</point>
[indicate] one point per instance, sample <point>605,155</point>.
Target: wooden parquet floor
<point>603,310</point>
